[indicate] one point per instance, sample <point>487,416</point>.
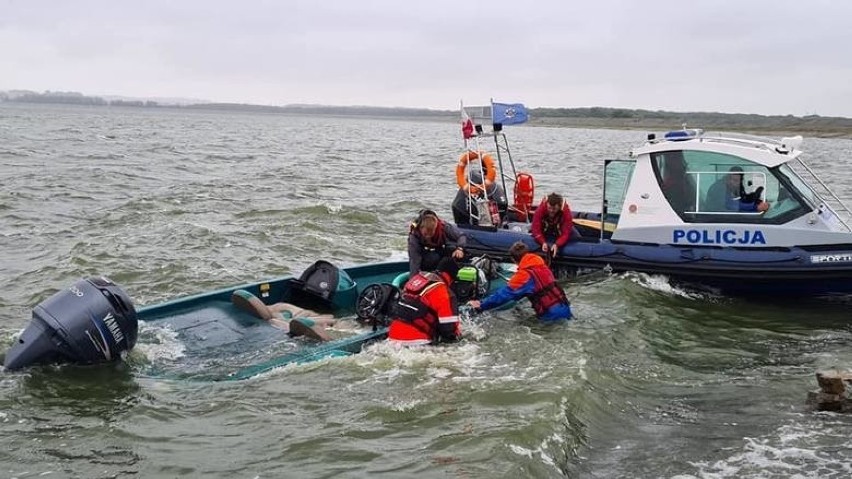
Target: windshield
<point>809,195</point>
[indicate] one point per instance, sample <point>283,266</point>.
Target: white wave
<point>532,453</point>
<point>386,352</point>
<point>661,283</point>
<point>159,343</point>
<point>390,362</point>
<point>471,324</point>
<point>401,405</point>
<point>11,337</point>
<point>333,208</point>
<point>796,450</point>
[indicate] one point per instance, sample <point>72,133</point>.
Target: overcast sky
<point>749,56</point>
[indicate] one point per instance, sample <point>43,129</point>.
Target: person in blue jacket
<point>728,194</point>
<point>532,280</point>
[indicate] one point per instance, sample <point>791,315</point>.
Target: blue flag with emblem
<point>509,113</point>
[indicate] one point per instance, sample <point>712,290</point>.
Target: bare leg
<point>288,317</point>
<point>297,312</point>
<point>257,308</point>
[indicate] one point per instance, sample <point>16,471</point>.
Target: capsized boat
<point>739,214</point>
<point>95,321</point>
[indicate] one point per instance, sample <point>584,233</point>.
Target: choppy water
<point>650,381</point>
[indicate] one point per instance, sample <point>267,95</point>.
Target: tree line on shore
<point>589,117</point>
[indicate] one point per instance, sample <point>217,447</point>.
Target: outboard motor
<point>93,321</point>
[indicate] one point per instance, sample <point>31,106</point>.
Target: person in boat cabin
<point>430,239</point>
<point>728,194</point>
<point>427,311</point>
<point>532,280</point>
<point>677,186</point>
<point>466,203</point>
<point>552,224</point>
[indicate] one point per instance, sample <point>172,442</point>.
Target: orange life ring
<point>488,166</point>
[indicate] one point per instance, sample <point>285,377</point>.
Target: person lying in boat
<point>471,196</point>
<point>292,319</point>
<point>427,311</point>
<point>552,224</point>
<point>728,194</point>
<point>430,239</point>
<point>532,280</point>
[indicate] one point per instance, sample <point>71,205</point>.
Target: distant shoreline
<point>596,117</point>
<point>805,129</point>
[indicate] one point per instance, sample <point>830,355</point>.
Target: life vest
<point>552,227</point>
<point>411,308</point>
<point>463,176</point>
<point>547,293</point>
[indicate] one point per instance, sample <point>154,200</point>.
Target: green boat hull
<point>220,342</point>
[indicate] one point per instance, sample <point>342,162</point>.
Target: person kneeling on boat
<point>552,224</point>
<point>429,240</point>
<point>427,311</point>
<point>292,319</point>
<point>532,280</point>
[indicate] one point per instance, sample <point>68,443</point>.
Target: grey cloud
<point>756,56</point>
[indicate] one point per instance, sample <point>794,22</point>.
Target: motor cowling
<point>92,321</point>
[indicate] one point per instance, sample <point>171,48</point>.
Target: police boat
<point>739,214</point>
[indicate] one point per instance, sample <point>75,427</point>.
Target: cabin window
<point>617,175</point>
<point>810,197</point>
<point>676,181</point>
<point>708,187</point>
<point>792,199</point>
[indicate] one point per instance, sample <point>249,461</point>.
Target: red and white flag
<point>466,125</point>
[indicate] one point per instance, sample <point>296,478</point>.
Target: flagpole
<point>466,119</point>
<point>461,113</point>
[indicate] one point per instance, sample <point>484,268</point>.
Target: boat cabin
<point>692,188</point>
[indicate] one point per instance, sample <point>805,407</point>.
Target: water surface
<point>650,380</point>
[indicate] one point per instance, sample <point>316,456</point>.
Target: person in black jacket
<point>430,239</point>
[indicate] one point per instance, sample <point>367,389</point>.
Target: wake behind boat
<point>664,210</point>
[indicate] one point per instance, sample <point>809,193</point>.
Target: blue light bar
<point>681,135</point>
